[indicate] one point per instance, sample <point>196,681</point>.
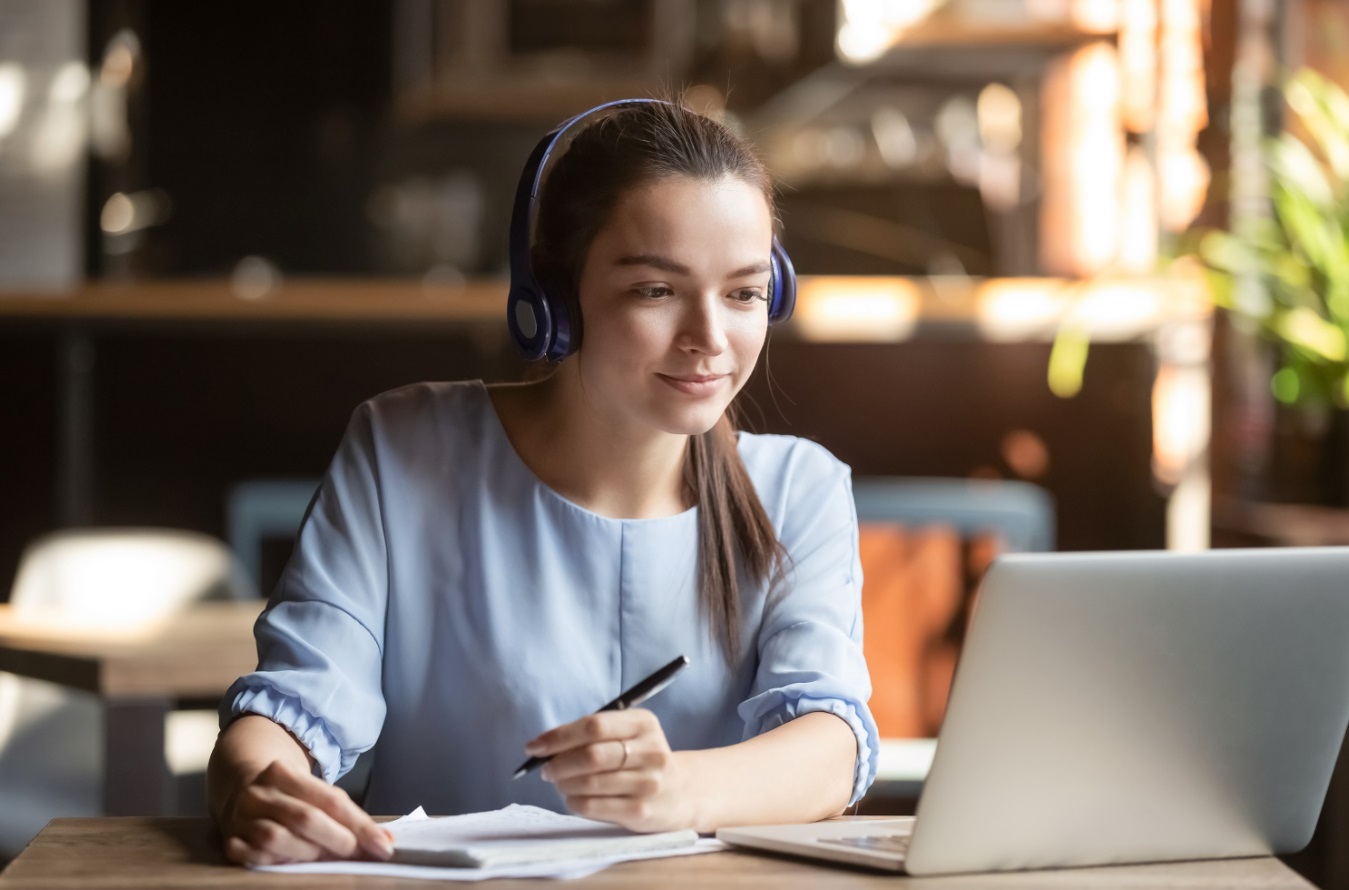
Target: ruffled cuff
<point>287,711</point>
<point>868,748</point>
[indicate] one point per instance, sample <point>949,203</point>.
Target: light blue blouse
<point>444,601</point>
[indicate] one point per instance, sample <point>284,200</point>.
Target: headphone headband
<point>538,318</point>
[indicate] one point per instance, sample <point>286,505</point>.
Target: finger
<point>308,822</point>
<point>302,819</point>
<point>606,756</point>
<point>238,851</point>
<point>632,813</point>
<point>591,728</point>
<point>336,803</point>
<point>275,839</point>
<point>627,783</point>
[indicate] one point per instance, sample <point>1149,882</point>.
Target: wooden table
<point>153,853</point>
<point>140,673</point>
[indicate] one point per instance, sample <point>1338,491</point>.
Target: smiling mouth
<point>697,385</point>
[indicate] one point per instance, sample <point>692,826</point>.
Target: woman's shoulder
<point>425,403</point>
<point>425,421</point>
<point>790,467</point>
<point>773,449</point>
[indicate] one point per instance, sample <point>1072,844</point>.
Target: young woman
<point>484,566</point>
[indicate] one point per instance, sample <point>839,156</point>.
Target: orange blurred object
<point>917,592</point>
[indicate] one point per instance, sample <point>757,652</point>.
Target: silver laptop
<point>1125,707</point>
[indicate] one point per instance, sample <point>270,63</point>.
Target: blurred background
<point>1073,276</point>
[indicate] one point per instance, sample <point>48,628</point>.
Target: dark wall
<point>944,407</point>
<point>260,122</point>
<point>28,404</point>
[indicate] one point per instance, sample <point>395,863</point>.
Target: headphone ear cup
<point>563,336</point>
<point>528,314</point>
<point>781,284</point>
<point>530,321</point>
<point>538,317</point>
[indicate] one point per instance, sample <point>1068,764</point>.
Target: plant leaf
<point>1304,328</point>
<point>1294,165</point>
<point>1319,105</point>
<point>1068,361</point>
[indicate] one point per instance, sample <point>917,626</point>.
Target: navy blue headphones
<point>538,318</point>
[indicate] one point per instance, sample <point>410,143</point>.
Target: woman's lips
<point>696,385</point>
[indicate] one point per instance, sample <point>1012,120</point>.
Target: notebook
<point>520,835</point>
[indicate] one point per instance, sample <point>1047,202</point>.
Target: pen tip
<point>518,774</point>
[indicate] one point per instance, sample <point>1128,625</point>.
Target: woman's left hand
<point>616,766</point>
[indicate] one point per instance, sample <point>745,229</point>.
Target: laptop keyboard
<point>895,844</point>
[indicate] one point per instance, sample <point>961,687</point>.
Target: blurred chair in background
<point>924,545</point>
<point>257,510</point>
<point>105,580</point>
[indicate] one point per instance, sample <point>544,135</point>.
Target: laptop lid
<point>1135,707</point>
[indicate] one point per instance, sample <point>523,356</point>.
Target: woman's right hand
<point>284,815</point>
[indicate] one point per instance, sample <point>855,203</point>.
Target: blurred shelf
<point>830,308</point>
<point>337,301</point>
<point>956,33</point>
<point>972,49</point>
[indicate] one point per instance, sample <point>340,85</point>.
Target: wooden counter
<point>151,853</point>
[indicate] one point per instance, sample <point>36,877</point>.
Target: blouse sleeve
<point>810,640</point>
<point>320,639</point>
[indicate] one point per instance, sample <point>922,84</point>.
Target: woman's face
<point>674,299</point>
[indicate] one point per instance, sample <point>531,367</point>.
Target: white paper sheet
<point>512,824</point>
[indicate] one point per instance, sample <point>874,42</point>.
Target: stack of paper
<point>518,841</point>
<point>520,835</point>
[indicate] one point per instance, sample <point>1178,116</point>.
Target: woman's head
<point>623,150</point>
<point>656,227</point>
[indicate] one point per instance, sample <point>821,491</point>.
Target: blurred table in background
<point>140,673</point>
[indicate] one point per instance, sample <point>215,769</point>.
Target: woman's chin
<point>692,420</point>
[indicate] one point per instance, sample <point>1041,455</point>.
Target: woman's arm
<point>269,806</point>
<point>617,766</point>
<point>319,640</point>
<point>802,771</point>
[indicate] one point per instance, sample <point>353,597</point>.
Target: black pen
<point>630,699</point>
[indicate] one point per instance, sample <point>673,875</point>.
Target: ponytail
<point>731,523</point>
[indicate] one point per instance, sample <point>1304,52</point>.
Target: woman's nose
<point>704,327</point>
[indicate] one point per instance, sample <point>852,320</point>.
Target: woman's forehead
<point>678,183</point>
<point>687,207</point>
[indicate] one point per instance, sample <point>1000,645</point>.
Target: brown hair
<point>626,149</point>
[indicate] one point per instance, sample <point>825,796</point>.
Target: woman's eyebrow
<point>752,269</point>
<point>655,261</point>
<point>668,265</point>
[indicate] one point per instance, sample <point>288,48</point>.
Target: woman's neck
<point>609,467</point>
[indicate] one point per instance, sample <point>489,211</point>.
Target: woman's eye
<point>748,295</point>
<point>654,292</point>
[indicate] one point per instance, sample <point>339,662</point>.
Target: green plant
<point>1286,272</point>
